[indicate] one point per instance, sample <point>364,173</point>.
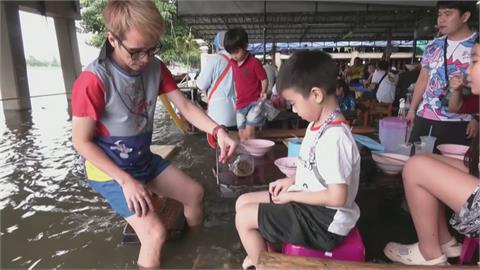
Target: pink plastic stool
<point>351,249</point>
<point>468,249</point>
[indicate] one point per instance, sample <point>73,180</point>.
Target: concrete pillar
<point>389,48</point>
<point>353,55</point>
<point>14,80</point>
<point>69,53</point>
<point>273,52</point>
<point>278,60</point>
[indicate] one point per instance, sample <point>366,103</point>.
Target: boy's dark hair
<point>307,69</point>
<point>235,38</point>
<point>462,6</point>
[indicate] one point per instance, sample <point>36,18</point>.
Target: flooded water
<point>51,219</point>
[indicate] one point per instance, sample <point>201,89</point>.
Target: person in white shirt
<point>216,80</point>
<point>316,208</point>
<point>384,82</point>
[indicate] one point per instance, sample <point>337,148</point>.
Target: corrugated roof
<point>311,21</point>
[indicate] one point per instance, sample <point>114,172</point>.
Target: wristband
<point>216,129</point>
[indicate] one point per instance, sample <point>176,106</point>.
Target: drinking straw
<point>406,134</point>
<point>430,131</point>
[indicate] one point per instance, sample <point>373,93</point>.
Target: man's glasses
<point>137,54</point>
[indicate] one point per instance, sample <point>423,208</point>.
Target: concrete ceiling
<point>69,9</point>
<point>305,21</point>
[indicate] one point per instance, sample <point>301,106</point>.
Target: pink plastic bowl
<point>257,147</point>
<point>390,163</point>
<point>452,149</point>
<point>287,165</point>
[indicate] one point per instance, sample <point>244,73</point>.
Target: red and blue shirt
<point>123,107</point>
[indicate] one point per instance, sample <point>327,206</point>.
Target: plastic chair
<point>468,249</point>
<point>351,249</point>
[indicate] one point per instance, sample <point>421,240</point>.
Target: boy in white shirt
<point>316,208</point>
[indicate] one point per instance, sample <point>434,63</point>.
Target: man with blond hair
<point>113,106</point>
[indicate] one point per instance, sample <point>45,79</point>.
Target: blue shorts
<point>250,115</point>
<point>113,192</point>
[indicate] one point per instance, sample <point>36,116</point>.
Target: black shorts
<point>445,131</point>
<point>298,224</point>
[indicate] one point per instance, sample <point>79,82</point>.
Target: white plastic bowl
<point>390,163</point>
<point>287,165</point>
<point>258,147</point>
<point>454,150</point>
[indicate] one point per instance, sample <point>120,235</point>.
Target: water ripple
<point>50,216</point>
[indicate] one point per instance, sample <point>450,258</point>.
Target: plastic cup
<point>294,147</point>
<point>429,143</point>
<point>419,147</point>
<point>405,149</point>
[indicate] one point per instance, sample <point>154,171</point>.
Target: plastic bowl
<point>287,165</point>
<point>258,147</point>
<point>460,157</point>
<point>390,163</point>
<point>454,150</point>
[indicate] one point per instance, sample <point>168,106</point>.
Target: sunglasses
<point>137,54</point>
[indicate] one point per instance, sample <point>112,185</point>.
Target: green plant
<point>178,40</point>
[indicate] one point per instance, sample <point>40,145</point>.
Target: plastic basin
<point>453,150</point>
<point>390,163</point>
<point>258,147</point>
<point>287,165</point>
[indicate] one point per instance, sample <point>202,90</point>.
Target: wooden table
<point>231,186</point>
<point>282,134</point>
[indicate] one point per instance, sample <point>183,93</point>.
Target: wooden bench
<point>270,260</point>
